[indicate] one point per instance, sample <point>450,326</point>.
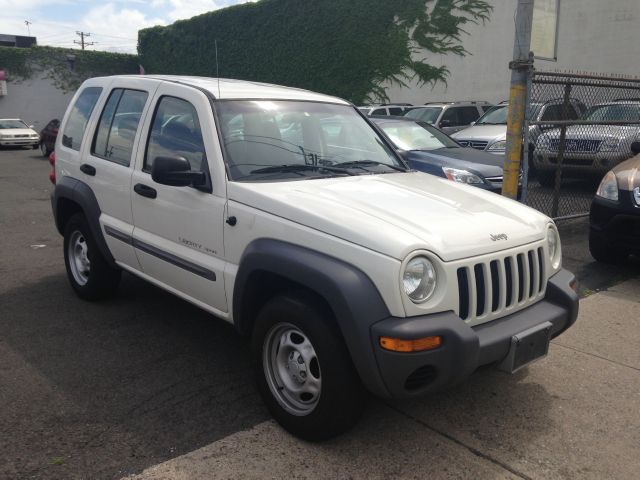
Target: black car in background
<point>427,149</point>
<point>48,137</point>
<point>614,220</point>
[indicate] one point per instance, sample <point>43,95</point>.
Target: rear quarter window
<point>79,117</point>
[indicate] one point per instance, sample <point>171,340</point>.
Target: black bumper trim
<point>466,348</point>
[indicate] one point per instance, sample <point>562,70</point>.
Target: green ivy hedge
<point>23,63</point>
<point>346,48</point>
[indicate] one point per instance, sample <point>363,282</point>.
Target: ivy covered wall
<point>54,63</point>
<point>340,47</point>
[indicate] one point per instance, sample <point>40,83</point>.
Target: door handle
<point>145,190</point>
<point>88,169</point>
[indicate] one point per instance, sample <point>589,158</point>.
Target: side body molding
<point>80,193</point>
<point>349,292</point>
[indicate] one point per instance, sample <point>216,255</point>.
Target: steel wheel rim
<point>292,369</point>
<point>78,258</point>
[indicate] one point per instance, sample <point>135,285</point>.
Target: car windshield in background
<point>416,136</point>
<point>495,116</point>
<point>8,124</point>
<point>427,114</point>
<point>614,112</point>
<point>278,139</point>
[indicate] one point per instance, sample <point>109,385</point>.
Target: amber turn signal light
<point>417,345</point>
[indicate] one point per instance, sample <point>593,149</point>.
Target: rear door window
<point>79,117</point>
<point>468,115</point>
<point>395,111</point>
<point>118,125</point>
<point>379,111</point>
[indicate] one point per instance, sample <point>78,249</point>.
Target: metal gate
<point>577,128</point>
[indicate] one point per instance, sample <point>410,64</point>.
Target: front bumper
<point>465,348</point>
<point>618,223</point>
<point>19,142</point>
<point>599,162</point>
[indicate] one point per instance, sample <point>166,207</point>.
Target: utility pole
<point>517,98</point>
<point>82,43</point>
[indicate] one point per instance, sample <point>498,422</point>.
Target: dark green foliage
<point>346,48</point>
<point>22,63</point>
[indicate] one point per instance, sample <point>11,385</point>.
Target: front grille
<point>489,288</point>
<point>21,136</point>
<point>477,144</point>
<point>573,161</point>
<point>575,145</point>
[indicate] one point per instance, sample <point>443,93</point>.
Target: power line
<point>82,43</point>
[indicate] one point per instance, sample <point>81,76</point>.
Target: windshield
<point>427,114</point>
<point>416,136</point>
<point>7,124</point>
<point>494,116</point>
<point>614,112</point>
<point>268,140</point>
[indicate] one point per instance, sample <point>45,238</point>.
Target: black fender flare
<point>349,292</point>
<point>80,193</point>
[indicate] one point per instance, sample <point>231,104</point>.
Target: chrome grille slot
<point>491,288</point>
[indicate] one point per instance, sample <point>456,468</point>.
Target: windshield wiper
<point>363,164</point>
<point>301,167</point>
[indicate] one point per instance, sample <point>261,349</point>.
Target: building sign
<point>544,30</point>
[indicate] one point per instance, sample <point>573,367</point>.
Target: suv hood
<point>482,132</point>
<point>596,132</point>
<point>18,131</point>
<point>397,213</point>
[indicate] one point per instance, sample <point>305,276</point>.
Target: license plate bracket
<point>527,347</point>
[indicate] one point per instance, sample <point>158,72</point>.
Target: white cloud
<point>182,9</point>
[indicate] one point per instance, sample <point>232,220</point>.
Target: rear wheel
<point>604,251</point>
<point>44,150</point>
<point>90,275</point>
<point>304,371</point>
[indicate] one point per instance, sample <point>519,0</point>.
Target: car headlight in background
<point>608,187</point>
<point>553,244</point>
<point>419,279</point>
<point>610,144</point>
<point>500,145</point>
<point>462,176</point>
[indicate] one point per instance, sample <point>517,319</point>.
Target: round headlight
<point>553,242</point>
<point>419,279</point>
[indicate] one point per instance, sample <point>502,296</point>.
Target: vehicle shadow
<point>106,389</point>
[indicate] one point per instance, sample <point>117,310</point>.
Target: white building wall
<point>36,101</point>
<point>598,36</point>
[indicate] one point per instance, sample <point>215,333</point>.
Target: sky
<point>113,25</point>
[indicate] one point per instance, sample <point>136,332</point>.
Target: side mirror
<point>445,123</point>
<point>472,123</point>
<point>176,172</point>
<point>32,126</point>
<point>635,147</point>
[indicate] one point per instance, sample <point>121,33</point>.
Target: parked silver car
<point>489,133</point>
<point>590,149</point>
<point>386,109</point>
<point>449,116</point>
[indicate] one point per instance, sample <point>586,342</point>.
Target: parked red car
<point>48,137</point>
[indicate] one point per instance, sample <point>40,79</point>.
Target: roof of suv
<point>225,88</point>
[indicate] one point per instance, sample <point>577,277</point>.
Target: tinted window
<point>395,111</point>
<point>452,115</point>
<point>175,132</point>
<point>118,125</point>
<point>468,115</point>
<point>559,112</point>
<point>79,116</point>
<point>379,111</point>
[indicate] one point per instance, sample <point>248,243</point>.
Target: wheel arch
<point>269,267</point>
<point>72,196</point>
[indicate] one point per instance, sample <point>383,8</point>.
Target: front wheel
<point>88,271</point>
<point>304,371</point>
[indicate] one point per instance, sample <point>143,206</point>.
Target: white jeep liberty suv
<point>288,214</point>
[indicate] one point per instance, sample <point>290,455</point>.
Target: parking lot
<point>111,389</point>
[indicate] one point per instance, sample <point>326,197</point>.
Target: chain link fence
<point>578,127</point>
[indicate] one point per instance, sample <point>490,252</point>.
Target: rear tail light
<point>52,173</point>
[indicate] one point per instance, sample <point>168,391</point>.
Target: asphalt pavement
<point>110,389</point>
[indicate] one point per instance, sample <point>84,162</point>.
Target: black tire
<point>101,280</point>
<point>43,149</point>
<point>603,251</point>
<point>341,396</point>
<point>546,179</point>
